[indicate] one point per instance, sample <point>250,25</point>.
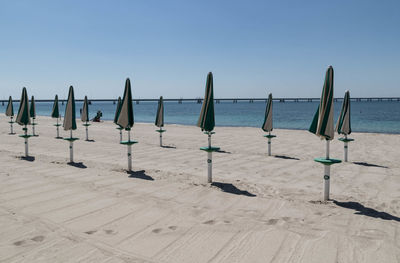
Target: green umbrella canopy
<point>10,108</point>
<point>125,118</point>
<point>23,117</point>
<point>85,111</point>
<point>32,110</point>
<point>267,125</point>
<point>117,110</point>
<point>207,120</point>
<point>322,124</point>
<point>69,116</point>
<point>343,125</point>
<point>160,113</point>
<point>55,113</point>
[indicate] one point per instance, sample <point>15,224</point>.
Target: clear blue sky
<point>168,47</point>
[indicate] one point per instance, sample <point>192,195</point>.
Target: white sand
<point>53,212</point>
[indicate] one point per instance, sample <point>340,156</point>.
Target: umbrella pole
<point>58,132</point>
<point>129,152</point>
<point>71,150</point>
<point>87,132</point>
<point>269,145</point>
<point>160,136</point>
<point>26,141</point>
<point>11,124</point>
<point>33,127</point>
<point>209,159</point>
<point>345,148</point>
<point>120,135</point>
<point>327,174</point>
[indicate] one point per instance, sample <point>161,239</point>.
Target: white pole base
<point>26,147</point>
<point>71,152</point>
<point>87,134</point>
<point>209,162</point>
<point>346,147</point>
<point>129,158</point>
<point>326,182</point>
<point>160,139</point>
<point>269,146</point>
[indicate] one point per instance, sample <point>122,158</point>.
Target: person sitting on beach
<point>98,116</point>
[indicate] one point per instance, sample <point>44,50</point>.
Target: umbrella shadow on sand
<point>28,158</point>
<point>370,165</point>
<point>366,211</point>
<point>77,165</point>
<point>90,140</point>
<point>140,175</point>
<point>286,157</point>
<point>230,188</point>
<point>168,147</point>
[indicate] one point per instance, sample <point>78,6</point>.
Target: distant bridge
<point>233,100</point>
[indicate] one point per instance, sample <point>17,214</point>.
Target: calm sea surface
<point>379,117</point>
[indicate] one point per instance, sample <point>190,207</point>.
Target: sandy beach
<point>260,208</point>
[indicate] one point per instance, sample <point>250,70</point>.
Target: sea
<point>366,116</point>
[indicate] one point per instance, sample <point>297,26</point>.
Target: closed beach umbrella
<point>24,118</point>
<point>10,108</point>
<point>160,118</point>
<point>125,119</point>
<point>70,122</point>
<point>32,112</point>
<point>267,125</point>
<point>55,113</point>
<point>207,122</point>
<point>322,126</point>
<point>343,125</point>
<point>10,113</point>
<point>85,116</point>
<point>117,111</point>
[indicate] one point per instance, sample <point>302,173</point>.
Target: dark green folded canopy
<point>117,110</point>
<point>207,120</point>
<point>70,114</point>
<point>160,113</point>
<point>322,124</point>
<point>343,125</point>
<point>32,110</point>
<point>23,117</point>
<point>85,110</point>
<point>267,125</point>
<point>10,108</point>
<point>55,113</point>
<point>125,118</point>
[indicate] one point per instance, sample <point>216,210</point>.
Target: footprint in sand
<point>109,231</point>
<point>157,230</point>
<point>209,222</point>
<point>272,221</point>
<point>90,232</point>
<point>38,238</point>
<point>19,243</point>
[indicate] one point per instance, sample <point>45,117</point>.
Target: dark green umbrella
<point>117,111</point>
<point>125,119</point>
<point>160,118</point>
<point>55,113</point>
<point>10,113</point>
<point>24,118</point>
<point>207,122</point>
<point>343,125</point>
<point>85,116</point>
<point>70,121</point>
<point>322,126</point>
<point>32,112</point>
<point>267,125</point>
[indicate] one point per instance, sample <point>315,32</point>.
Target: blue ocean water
<point>376,116</point>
